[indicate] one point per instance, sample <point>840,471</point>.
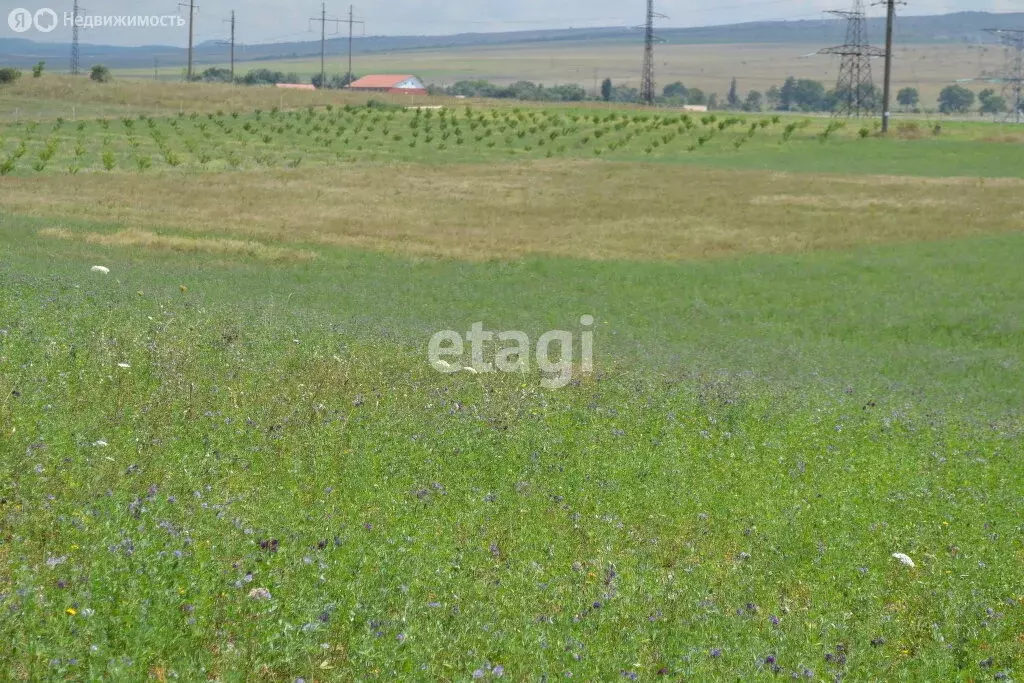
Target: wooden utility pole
<point>323,40</point>
<point>191,34</point>
<point>887,88</point>
<point>232,46</point>
<point>351,22</point>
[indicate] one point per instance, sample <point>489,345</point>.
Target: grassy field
<point>229,458</point>
<point>711,68</point>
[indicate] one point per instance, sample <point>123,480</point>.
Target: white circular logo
<point>46,20</point>
<point>20,20</point>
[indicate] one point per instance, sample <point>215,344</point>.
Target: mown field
<point>229,458</point>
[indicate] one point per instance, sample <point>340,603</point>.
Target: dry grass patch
<point>586,209</point>
<point>164,98</point>
<point>185,245</point>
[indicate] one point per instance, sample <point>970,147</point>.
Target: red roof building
<point>408,85</point>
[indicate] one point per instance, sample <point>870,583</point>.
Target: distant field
<point>709,67</point>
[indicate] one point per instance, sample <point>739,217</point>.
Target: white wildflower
<point>123,365</point>
<point>904,560</point>
<point>259,594</point>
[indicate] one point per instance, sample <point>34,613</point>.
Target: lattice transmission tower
<point>855,87</point>
<point>647,89</point>
<point>647,81</point>
<point>1012,75</point>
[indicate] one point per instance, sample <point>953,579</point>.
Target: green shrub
<point>100,74</point>
<point>9,75</point>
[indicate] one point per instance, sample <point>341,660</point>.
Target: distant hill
<point>963,27</point>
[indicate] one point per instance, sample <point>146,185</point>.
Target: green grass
<point>428,526</point>
<point>720,500</point>
<point>913,322</point>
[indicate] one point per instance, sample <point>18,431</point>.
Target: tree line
<point>806,95</point>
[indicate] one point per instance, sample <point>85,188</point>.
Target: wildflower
<point>259,594</point>
<point>904,559</point>
<point>71,611</point>
<point>716,653</point>
<point>123,366</point>
<point>498,671</point>
<point>400,638</point>
<point>774,620</point>
<point>53,562</point>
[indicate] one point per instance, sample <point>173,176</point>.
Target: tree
<point>37,70</point>
<point>810,95</point>
<point>908,98</point>
<point>787,95</point>
<point>9,75</point>
<point>956,99</point>
<point>773,97</point>
<point>216,75</point>
<point>606,89</point>
<point>733,98</point>
<point>100,74</point>
<point>696,96</point>
<point>991,103</point>
<point>713,101</point>
<point>268,77</point>
<point>754,101</point>
<point>676,89</point>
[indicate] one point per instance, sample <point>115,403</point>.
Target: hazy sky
<point>271,21</point>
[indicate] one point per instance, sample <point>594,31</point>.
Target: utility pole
<point>74,40</point>
<point>887,89</point>
<point>232,22</point>
<point>156,68</point>
<point>191,33</point>
<point>351,22</point>
<point>323,40</point>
